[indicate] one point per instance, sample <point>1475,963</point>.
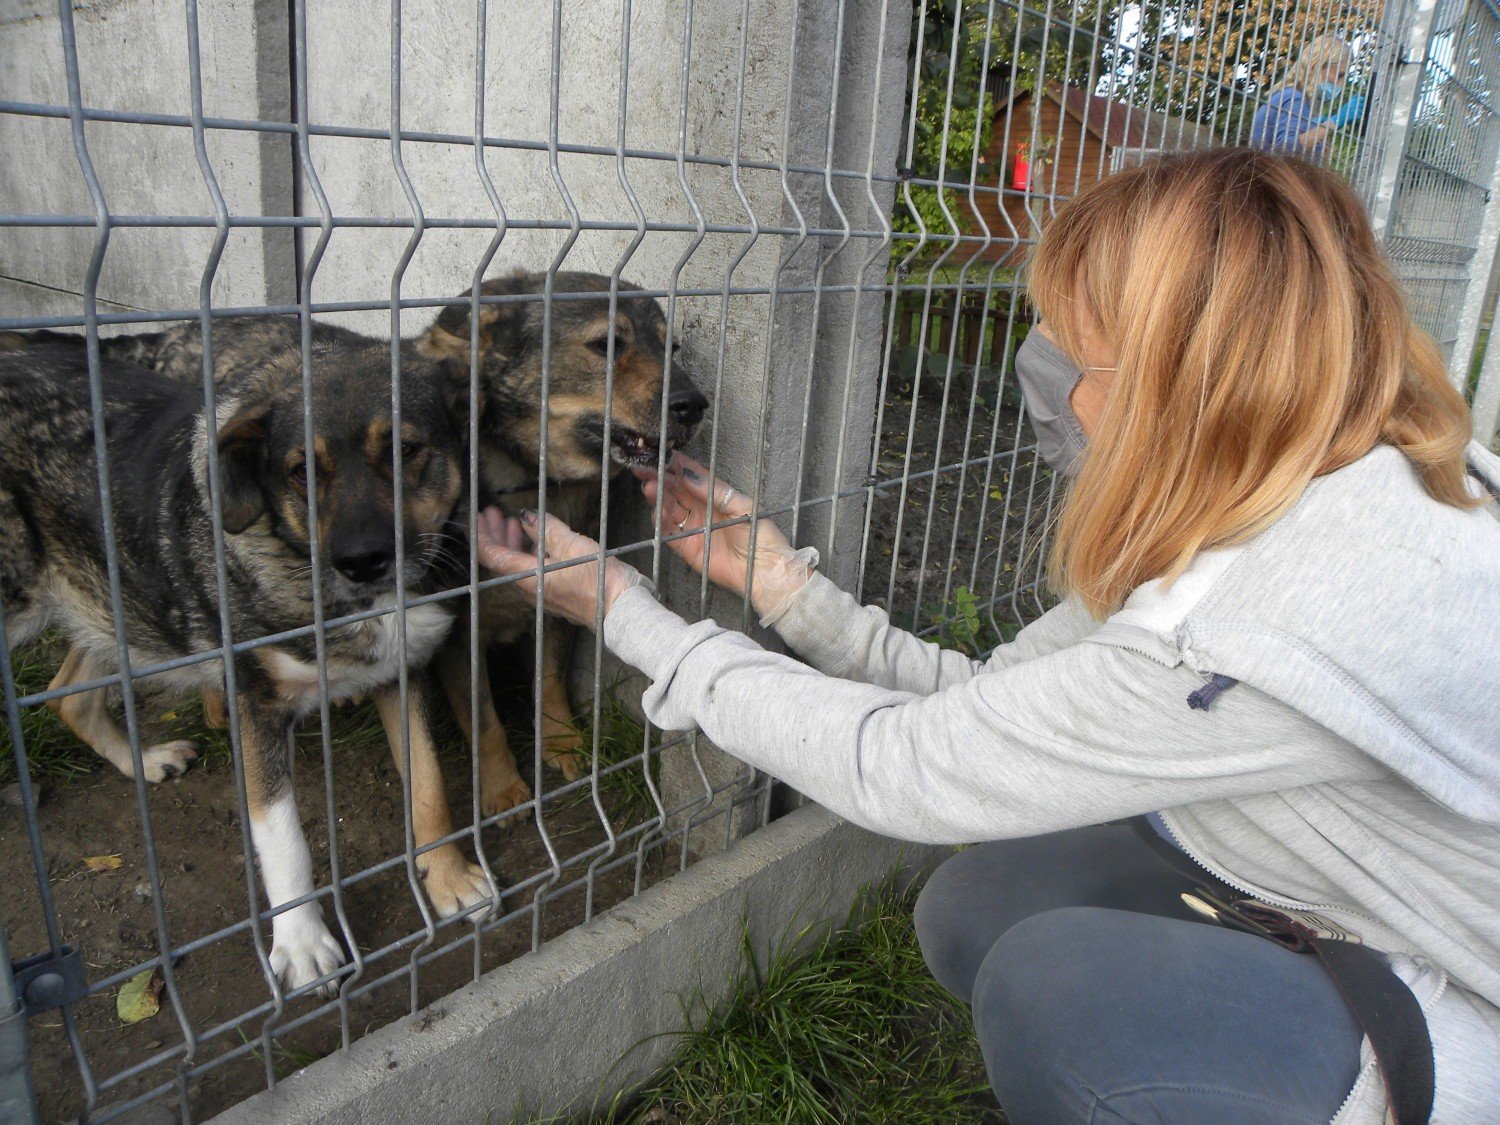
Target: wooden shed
<point>1080,136</point>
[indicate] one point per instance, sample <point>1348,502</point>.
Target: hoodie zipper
<point>1259,896</point>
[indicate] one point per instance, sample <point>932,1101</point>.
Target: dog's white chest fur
<point>378,642</point>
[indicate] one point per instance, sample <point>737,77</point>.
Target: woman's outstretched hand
<point>571,593</point>
<point>690,501</point>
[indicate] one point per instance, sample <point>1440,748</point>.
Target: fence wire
<point>828,207</point>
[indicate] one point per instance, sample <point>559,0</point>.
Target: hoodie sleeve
<point>1083,734</point>
<point>841,638</point>
<point>1279,124</point>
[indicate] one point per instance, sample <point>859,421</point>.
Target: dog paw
<point>571,762</point>
<point>302,950</point>
<point>170,759</point>
<point>497,797</point>
<point>563,748</point>
<point>454,884</point>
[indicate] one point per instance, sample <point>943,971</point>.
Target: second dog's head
<point>263,467</point>
<point>510,345</point>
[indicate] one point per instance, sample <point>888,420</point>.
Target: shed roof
<point>1119,125</point>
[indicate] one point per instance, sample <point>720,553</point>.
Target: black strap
<point>1381,1003</point>
<point>1392,1021</point>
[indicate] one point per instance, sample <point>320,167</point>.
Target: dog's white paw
<point>302,949</point>
<point>170,759</point>
<point>453,883</point>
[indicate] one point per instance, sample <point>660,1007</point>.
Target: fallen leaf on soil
<point>168,716</point>
<point>140,997</point>
<point>102,862</point>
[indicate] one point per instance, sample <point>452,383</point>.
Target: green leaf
<point>140,997</point>
<point>937,364</point>
<point>907,359</point>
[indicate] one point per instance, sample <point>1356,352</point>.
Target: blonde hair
<point>1319,55</point>
<point>1261,341</point>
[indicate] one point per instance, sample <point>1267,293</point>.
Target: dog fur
<point>53,567</point>
<point>510,425</point>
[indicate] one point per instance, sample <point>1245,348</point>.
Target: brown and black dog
<point>647,410</point>
<point>54,568</point>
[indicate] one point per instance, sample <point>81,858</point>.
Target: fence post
<point>17,1102</point>
<point>1481,279</point>
<point>1486,409</point>
<point>1410,67</point>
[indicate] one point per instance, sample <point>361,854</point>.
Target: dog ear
<point>242,442</point>
<point>503,338</point>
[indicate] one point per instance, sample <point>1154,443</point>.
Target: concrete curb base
<point>560,1030</point>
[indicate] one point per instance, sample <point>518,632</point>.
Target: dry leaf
<point>99,863</point>
<point>140,997</point>
<point>168,716</point>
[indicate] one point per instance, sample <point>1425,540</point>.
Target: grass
<point>624,791</point>
<point>286,1058</point>
<point>51,749</point>
<point>55,754</point>
<point>853,1030</point>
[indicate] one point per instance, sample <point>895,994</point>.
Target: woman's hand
<point>690,501</point>
<point>571,593</point>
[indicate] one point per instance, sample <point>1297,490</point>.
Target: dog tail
<point>14,341</point>
<point>139,349</point>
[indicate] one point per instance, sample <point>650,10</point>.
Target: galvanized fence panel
<point>832,206</point>
<point>1446,176</point>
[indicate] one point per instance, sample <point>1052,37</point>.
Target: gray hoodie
<point>1353,770</point>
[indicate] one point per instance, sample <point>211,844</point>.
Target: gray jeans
<point>1097,998</point>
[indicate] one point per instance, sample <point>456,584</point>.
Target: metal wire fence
<point>828,208</point>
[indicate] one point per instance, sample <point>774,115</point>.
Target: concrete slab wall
<point>133,57</point>
<point>496,1051</point>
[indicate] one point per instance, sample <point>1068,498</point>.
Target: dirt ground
<point>959,513</point>
<point>109,914</point>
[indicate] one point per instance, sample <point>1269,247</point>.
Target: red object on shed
<point>1021,178</point>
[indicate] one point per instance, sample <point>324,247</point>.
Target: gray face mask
<point>1047,378</point>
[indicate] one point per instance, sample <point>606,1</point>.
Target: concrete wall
<point>133,56</point>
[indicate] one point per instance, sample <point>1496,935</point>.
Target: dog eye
<point>601,345</point>
<point>410,448</point>
<point>297,471</point>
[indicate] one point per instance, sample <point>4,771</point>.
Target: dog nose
<point>687,406</point>
<point>364,562</point>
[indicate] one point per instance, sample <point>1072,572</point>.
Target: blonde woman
<point>1276,651</point>
<point>1299,117</point>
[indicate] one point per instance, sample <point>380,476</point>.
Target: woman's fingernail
<point>695,477</point>
<point>528,517</point>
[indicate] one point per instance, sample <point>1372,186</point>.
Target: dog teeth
<point>635,446</point>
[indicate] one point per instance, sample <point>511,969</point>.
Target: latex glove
<point>778,571</point>
<point>571,593</point>
<point>1347,114</point>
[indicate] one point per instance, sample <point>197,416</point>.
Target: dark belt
<point>1381,1003</point>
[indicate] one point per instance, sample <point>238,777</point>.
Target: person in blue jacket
<point>1298,117</point>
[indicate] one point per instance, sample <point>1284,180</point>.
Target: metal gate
<point>830,205</point>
